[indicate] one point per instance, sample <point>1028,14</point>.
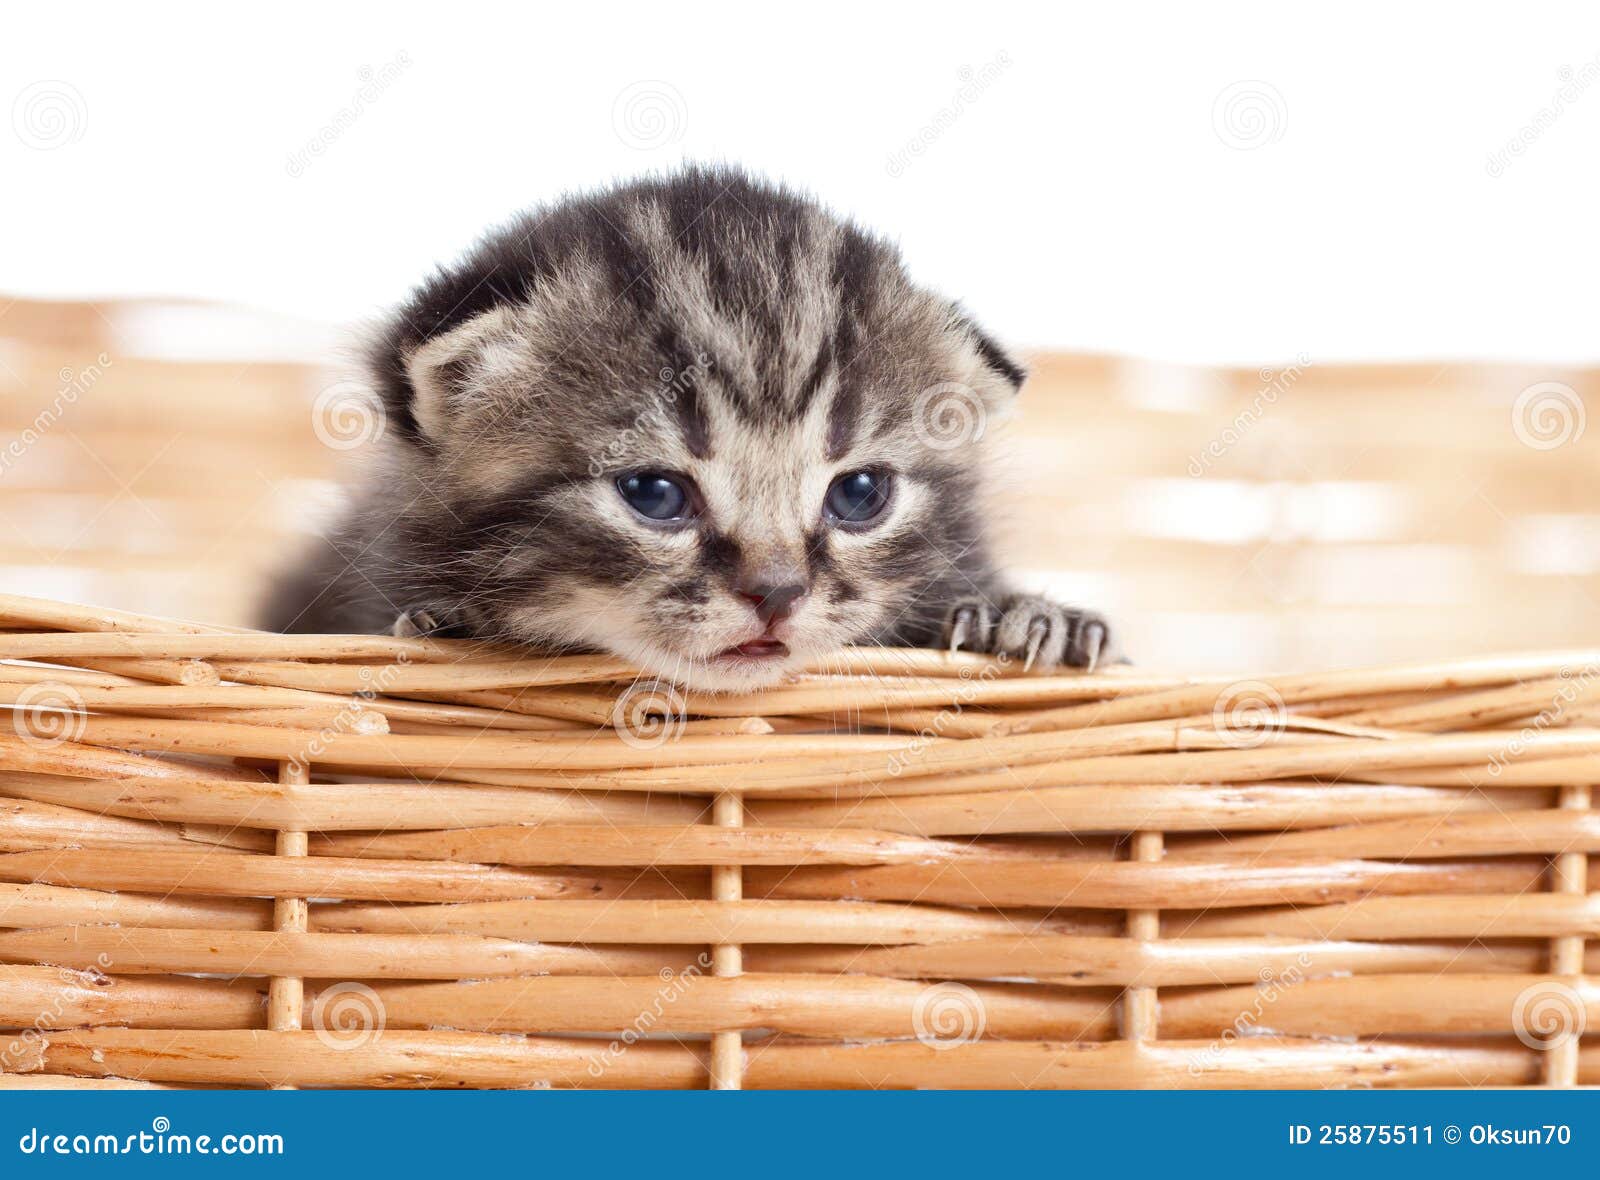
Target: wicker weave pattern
<point>249,860</point>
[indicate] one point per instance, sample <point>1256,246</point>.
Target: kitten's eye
<point>858,497</point>
<point>655,496</point>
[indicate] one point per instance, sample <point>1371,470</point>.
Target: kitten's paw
<point>1033,629</point>
<point>419,621</point>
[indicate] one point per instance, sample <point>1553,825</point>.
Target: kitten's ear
<point>469,369</point>
<point>996,358</point>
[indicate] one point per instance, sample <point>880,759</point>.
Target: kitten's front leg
<point>1032,628</point>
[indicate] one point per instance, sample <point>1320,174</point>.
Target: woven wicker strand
<point>1570,876</point>
<point>230,858</point>
<point>727,959</point>
<point>286,994</point>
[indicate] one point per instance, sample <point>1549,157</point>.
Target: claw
<point>1037,630</point>
<point>1094,639</point>
<point>960,630</point>
<point>414,623</point>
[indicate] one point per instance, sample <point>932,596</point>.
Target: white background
<point>1093,195</point>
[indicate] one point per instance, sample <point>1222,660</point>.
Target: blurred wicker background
<point>162,457</point>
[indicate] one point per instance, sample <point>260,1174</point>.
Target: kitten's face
<point>757,465</point>
<point>728,568</point>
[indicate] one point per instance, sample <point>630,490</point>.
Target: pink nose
<point>772,603</point>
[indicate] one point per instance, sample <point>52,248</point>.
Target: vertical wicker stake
<point>286,994</point>
<point>1569,874</point>
<point>727,959</point>
<point>1140,1007</point>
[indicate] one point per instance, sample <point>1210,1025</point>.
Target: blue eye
<point>858,497</point>
<point>655,496</point>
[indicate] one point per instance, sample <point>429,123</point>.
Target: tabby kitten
<point>695,421</point>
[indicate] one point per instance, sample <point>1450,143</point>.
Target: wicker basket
<point>241,859</point>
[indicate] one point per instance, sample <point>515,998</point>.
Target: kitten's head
<point>698,422</point>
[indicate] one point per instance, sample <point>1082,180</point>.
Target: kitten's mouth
<point>765,648</point>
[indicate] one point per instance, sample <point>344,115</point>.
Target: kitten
<point>698,422</point>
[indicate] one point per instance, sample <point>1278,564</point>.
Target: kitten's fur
<point>709,324</point>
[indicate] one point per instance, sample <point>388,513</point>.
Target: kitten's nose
<point>773,601</point>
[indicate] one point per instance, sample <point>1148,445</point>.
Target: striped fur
<point>703,323</point>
